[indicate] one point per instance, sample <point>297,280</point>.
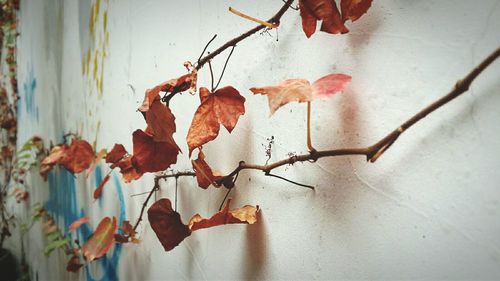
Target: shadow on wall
<point>256,255</point>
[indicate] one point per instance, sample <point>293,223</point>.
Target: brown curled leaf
<point>246,215</point>
<point>150,155</point>
<point>204,174</point>
<point>101,240</point>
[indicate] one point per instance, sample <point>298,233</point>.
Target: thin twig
<point>211,76</point>
<point>309,143</point>
<point>204,49</point>
<point>290,181</point>
<point>275,19</point>
<point>224,69</point>
<point>225,197</point>
<point>145,203</point>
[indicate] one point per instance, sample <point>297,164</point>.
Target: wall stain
<point>28,94</point>
<point>93,63</point>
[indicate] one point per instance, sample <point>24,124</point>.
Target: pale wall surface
<point>428,209</point>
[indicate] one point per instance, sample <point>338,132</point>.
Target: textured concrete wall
<point>429,208</point>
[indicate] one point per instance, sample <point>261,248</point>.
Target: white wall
<point>428,209</point>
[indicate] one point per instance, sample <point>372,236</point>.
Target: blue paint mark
<point>28,97</point>
<point>98,180</point>
<point>62,205</point>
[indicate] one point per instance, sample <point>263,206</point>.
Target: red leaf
<point>101,241</point>
<point>167,224</point>
<point>247,214</point>
<point>321,10</point>
<point>222,107</point>
<point>76,224</point>
<point>150,155</point>
<point>329,85</point>
<point>78,157</point>
<point>116,153</point>
<point>98,190</point>
<point>354,9</point>
<point>204,174</point>
<point>74,264</point>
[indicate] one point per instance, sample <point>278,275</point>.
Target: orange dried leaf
<point>167,224</point>
<point>102,239</point>
<point>247,215</point>
<point>129,172</point>
<point>98,190</point>
<point>161,122</point>
<point>180,84</point>
<point>204,174</point>
<point>116,154</point>
<point>224,106</point>
<point>321,10</point>
<point>55,155</point>
<point>354,9</point>
<point>76,224</point>
<point>301,90</point>
<point>290,90</point>
<point>150,155</point>
<point>78,157</point>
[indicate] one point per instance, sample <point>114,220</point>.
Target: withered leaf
<point>78,157</point>
<point>161,122</point>
<point>167,224</point>
<point>76,224</point>
<point>204,174</point>
<point>290,90</point>
<point>354,9</point>
<point>170,230</point>
<point>301,90</point>
<point>101,240</point>
<point>98,190</point>
<point>128,171</point>
<point>74,264</point>
<point>224,106</point>
<point>55,155</point>
<point>247,214</point>
<point>150,155</point>
<point>321,10</point>
<point>116,153</point>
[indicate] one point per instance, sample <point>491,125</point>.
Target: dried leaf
<point>224,106</point>
<point>321,10</point>
<point>180,84</point>
<point>76,224</point>
<point>150,155</point>
<point>167,224</point>
<point>78,157</point>
<point>102,239</point>
<point>354,9</point>
<point>55,155</point>
<point>98,190</point>
<point>74,264</point>
<point>290,90</point>
<point>247,214</point>
<point>161,122</point>
<point>170,230</point>
<point>116,153</point>
<point>204,174</point>
<point>129,172</point>
<point>300,90</point>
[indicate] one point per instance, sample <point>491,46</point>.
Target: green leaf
<point>55,245</point>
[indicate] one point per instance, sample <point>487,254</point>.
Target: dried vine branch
<point>373,152</point>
